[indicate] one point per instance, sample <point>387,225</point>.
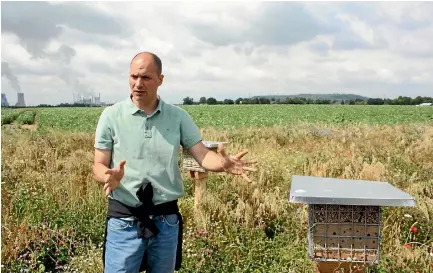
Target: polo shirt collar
<point>132,108</point>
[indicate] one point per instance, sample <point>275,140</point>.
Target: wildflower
<point>407,246</point>
<point>350,154</point>
<point>414,229</point>
<point>21,228</point>
<point>408,216</point>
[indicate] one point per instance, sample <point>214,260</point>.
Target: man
<point>137,143</point>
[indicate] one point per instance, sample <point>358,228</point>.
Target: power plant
<point>4,100</point>
<point>20,101</point>
<point>89,100</point>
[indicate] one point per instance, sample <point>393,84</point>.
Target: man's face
<point>144,79</point>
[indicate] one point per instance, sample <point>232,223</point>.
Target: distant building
<point>20,100</point>
<point>90,100</point>
<point>4,100</point>
<point>425,104</point>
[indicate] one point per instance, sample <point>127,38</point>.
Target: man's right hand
<point>113,177</point>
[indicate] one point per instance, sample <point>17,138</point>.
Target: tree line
<point>401,100</point>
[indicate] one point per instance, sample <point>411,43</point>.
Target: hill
<point>331,97</point>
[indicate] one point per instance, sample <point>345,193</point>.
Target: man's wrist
<point>213,162</point>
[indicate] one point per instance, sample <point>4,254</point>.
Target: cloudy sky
<point>224,50</point>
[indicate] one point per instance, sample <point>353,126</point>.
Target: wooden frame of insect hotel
<point>198,173</point>
<point>344,219</point>
<point>190,164</point>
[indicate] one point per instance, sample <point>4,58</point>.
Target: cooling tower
<point>21,102</point>
<point>4,100</point>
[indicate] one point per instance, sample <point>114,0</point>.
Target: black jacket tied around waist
<point>146,227</point>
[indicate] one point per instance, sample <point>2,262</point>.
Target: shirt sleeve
<point>189,132</point>
<point>104,133</point>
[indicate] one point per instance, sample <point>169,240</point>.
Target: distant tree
<point>427,99</point>
<point>188,101</point>
<point>229,101</point>
<point>417,100</point>
<point>202,100</point>
<point>238,100</point>
<point>264,101</point>
<point>342,102</point>
<point>211,101</point>
<point>375,101</point>
<point>402,101</point>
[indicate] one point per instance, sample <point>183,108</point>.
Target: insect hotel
<point>344,219</point>
<point>198,173</point>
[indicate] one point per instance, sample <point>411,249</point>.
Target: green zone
<point>235,116</point>
<point>85,119</point>
<point>20,116</point>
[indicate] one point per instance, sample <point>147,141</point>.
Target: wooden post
<point>199,185</point>
<point>199,194</point>
<point>199,176</point>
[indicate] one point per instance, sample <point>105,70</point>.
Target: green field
<point>53,211</point>
<point>237,116</point>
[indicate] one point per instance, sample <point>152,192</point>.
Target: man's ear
<point>161,79</point>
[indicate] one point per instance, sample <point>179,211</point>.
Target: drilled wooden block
<point>344,233</point>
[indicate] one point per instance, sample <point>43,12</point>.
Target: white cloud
<point>224,50</point>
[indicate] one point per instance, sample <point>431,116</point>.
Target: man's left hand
<point>234,164</point>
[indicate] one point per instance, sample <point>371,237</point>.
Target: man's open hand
<point>234,164</point>
<point>113,177</point>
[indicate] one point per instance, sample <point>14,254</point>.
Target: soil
<point>32,127</point>
<point>14,126</point>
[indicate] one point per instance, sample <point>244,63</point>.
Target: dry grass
<point>250,227</point>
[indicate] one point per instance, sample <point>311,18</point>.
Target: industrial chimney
<point>21,102</point>
<point>4,100</point>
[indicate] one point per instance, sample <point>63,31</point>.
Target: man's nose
<point>139,81</point>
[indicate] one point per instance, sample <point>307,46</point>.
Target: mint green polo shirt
<point>150,144</point>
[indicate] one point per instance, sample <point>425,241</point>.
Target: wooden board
<point>337,267</point>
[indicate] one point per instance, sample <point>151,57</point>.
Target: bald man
<point>137,144</point>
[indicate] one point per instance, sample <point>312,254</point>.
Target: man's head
<point>145,76</point>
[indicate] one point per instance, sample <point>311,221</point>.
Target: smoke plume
<point>7,72</point>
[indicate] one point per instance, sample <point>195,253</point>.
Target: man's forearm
<point>99,170</point>
<point>212,162</point>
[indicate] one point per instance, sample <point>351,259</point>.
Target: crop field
<point>237,116</point>
<point>53,211</point>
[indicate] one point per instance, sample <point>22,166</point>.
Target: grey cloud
<point>70,77</point>
<point>207,76</point>
<point>7,72</point>
<point>64,54</point>
<point>36,23</point>
<point>107,68</point>
<point>346,41</point>
<point>279,24</point>
<point>320,47</point>
<point>373,14</point>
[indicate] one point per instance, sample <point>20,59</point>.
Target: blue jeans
<point>124,250</point>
